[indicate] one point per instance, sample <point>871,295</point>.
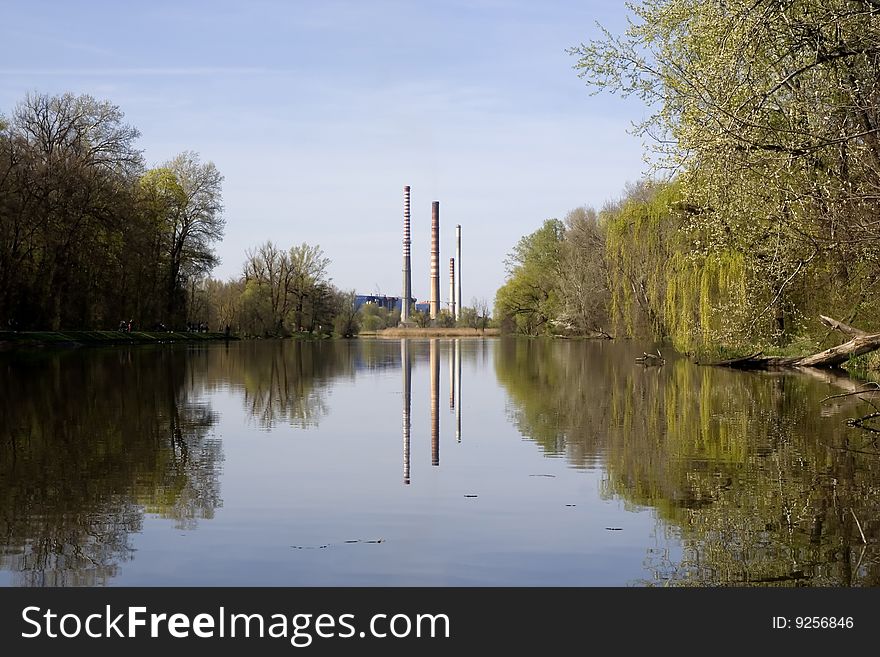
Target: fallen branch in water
<point>872,384</point>
<point>860,344</point>
<point>651,359</point>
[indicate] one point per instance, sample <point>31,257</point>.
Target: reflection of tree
<point>281,381</point>
<point>288,381</point>
<point>87,441</point>
<point>742,468</point>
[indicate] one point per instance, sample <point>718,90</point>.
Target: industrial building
<point>389,303</point>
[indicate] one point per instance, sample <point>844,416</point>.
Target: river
<point>438,462</point>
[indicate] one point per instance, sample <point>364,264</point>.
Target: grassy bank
<point>29,339</point>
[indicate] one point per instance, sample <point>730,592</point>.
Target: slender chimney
<point>407,272</point>
<point>451,376</point>
<point>435,259</point>
<point>452,287</point>
<point>458,279</point>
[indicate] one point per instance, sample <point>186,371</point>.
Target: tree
<point>346,320</point>
<point>270,273</point>
<point>287,291</point>
<point>769,113</point>
<point>530,295</point>
<point>65,172</point>
<point>309,267</point>
<point>184,198</point>
<point>583,286</point>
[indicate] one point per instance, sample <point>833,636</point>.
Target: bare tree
<point>309,266</point>
<point>583,282</point>
<point>269,270</point>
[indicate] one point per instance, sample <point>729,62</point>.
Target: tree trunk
<point>861,343</point>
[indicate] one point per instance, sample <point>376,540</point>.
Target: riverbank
<point>37,339</point>
<point>433,332</point>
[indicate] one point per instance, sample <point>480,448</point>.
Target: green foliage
<point>373,317</point>
<point>747,481</point>
<point>768,114</point>
<point>530,296</point>
<point>445,319</point>
<point>87,237</point>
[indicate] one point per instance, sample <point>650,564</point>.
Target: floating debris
<point>328,545</point>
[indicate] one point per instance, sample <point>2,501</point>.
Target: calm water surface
<point>427,462</point>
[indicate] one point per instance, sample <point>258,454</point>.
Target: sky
<point>318,113</point>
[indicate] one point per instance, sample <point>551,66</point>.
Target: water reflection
<point>434,357</point>
<point>742,468</point>
<point>749,478</point>
<point>457,383</point>
<point>88,443</point>
<point>406,367</point>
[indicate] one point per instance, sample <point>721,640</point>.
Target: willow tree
<point>769,111</point>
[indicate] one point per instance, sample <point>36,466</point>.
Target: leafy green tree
<point>530,295</point>
<point>768,113</point>
<point>184,198</point>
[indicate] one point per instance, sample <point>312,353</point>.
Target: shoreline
<point>13,340</point>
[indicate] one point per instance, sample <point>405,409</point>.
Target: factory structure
<point>433,306</point>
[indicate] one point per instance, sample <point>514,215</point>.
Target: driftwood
<point>860,343</point>
<point>651,359</point>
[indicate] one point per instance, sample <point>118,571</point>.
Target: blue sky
<point>318,113</point>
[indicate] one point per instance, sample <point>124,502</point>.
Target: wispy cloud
<point>179,71</point>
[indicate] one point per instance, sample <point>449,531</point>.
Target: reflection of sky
<point>341,481</point>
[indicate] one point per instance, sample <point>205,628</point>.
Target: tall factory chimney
<point>407,272</point>
<point>452,287</point>
<point>457,313</point>
<point>435,260</point>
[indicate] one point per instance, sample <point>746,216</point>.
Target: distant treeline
<point>765,125</point>
<point>90,238</point>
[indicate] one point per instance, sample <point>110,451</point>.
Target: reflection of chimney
<point>435,403</point>
<point>407,273</point>
<point>458,389</point>
<point>435,259</point>
<point>451,376</point>
<point>458,279</point>
<point>452,287</point>
<point>406,366</point>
